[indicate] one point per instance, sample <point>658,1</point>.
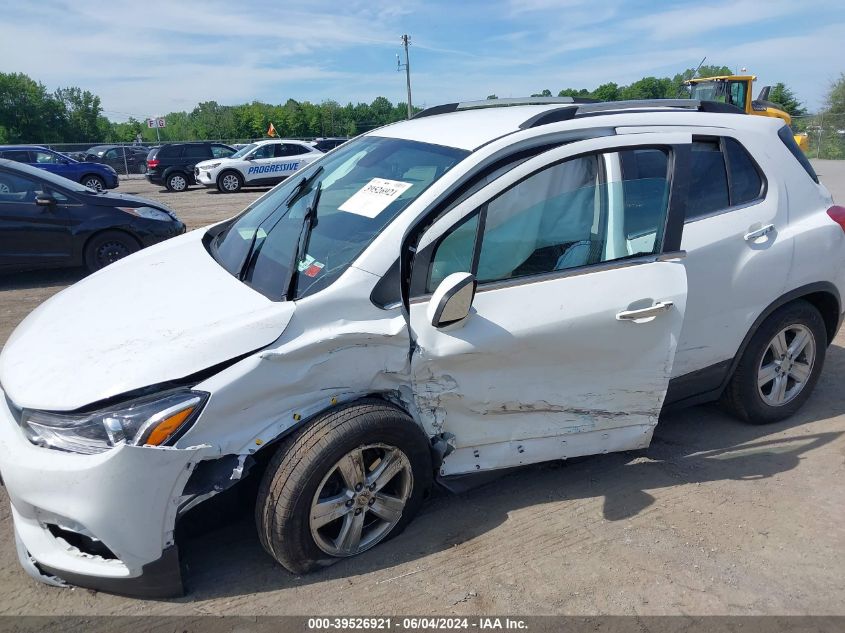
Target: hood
<point>164,313</point>
<point>110,199</point>
<point>209,161</point>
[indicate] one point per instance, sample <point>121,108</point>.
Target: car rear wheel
<point>95,182</point>
<point>177,182</point>
<point>229,182</point>
<point>780,366</point>
<point>347,482</point>
<point>107,247</point>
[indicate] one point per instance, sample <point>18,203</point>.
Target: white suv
<point>257,164</point>
<point>474,289</point>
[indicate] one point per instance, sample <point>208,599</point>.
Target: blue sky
<point>146,57</point>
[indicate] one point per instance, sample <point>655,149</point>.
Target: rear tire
<point>774,377</point>
<point>93,181</point>
<point>335,463</point>
<point>229,182</point>
<point>108,247</point>
<point>177,181</point>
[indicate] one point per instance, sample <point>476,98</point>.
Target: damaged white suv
<point>474,289</point>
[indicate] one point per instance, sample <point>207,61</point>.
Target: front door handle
<point>761,232</point>
<point>645,313</point>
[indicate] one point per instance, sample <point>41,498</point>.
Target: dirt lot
<point>715,518</point>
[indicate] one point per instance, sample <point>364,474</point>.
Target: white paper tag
<point>374,197</point>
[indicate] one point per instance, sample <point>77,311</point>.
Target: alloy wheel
<point>787,365</point>
<point>230,182</point>
<point>360,499</point>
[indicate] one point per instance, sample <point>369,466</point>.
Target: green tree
<point>606,92</point>
<point>545,93</point>
<point>27,112</point>
<point>835,100</point>
<point>647,88</point>
<point>82,113</point>
<point>784,97</point>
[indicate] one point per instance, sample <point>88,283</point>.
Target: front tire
<point>93,181</point>
<point>780,366</point>
<point>108,247</point>
<point>353,478</point>
<point>229,182</point>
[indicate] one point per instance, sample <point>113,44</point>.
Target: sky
<point>150,57</point>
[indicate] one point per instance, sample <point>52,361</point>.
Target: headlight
<point>152,420</point>
<point>149,213</point>
<point>210,166</point>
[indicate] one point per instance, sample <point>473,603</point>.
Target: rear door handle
<point>644,313</point>
<point>761,232</point>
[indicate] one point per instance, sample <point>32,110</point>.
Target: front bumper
<point>204,177</point>
<point>102,521</point>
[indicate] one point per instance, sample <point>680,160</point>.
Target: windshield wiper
<point>309,221</point>
<point>301,186</point>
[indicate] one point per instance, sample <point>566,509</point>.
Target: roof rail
<point>618,107</point>
<point>498,103</point>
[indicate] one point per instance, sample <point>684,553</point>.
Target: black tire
<point>94,181</point>
<point>305,459</point>
<point>742,397</point>
<point>229,182</point>
<point>107,247</point>
<point>176,181</point>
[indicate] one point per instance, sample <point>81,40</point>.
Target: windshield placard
<point>374,197</point>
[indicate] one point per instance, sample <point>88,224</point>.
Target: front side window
<point>265,151</point>
<point>565,216</point>
<point>46,158</point>
<point>355,193</point>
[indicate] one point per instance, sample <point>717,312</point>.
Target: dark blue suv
<point>92,175</point>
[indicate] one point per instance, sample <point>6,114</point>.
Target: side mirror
<point>452,300</point>
<point>44,200</point>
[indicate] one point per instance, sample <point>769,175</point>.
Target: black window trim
<point>669,249</point>
<point>764,189</point>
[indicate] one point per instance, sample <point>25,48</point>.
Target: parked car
<point>327,144</point>
<point>172,165</point>
<point>258,164</point>
<point>478,288</point>
<point>125,159</point>
<point>89,174</point>
<point>47,221</point>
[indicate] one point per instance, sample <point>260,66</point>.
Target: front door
<point>569,344</point>
<point>31,234</point>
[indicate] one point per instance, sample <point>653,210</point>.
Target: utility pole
<point>406,42</point>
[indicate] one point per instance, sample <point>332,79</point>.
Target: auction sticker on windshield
<point>374,197</point>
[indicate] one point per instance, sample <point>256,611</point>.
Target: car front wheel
<point>780,366</point>
<point>95,182</point>
<point>107,247</point>
<point>347,482</point>
<point>229,182</point>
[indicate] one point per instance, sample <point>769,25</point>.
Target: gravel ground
<point>716,517</point>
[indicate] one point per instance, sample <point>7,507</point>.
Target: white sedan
<point>258,164</point>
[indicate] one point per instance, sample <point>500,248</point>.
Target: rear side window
<point>708,189</point>
<point>170,151</point>
<point>745,181</point>
<point>221,151</point>
<point>197,151</point>
<point>17,155</point>
<point>785,134</point>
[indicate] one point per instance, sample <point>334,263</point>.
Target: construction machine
<point>736,90</point>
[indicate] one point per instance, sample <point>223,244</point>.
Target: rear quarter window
<point>746,184</point>
<point>708,188</point>
<point>785,134</point>
<point>170,151</point>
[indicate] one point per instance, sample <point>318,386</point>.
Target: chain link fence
<point>129,160</point>
<point>826,133</point>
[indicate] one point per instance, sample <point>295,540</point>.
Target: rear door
<point>31,234</point>
<point>193,154</point>
<point>581,293</point>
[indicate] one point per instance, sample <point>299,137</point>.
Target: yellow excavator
<point>736,90</point>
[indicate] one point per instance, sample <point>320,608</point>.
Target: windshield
<point>360,188</point>
<point>244,151</point>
